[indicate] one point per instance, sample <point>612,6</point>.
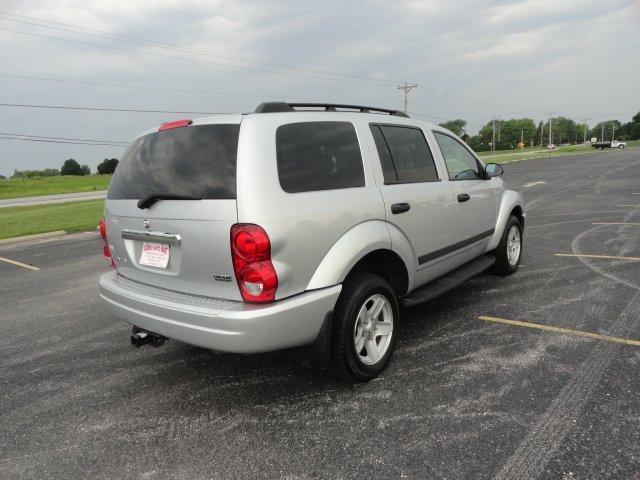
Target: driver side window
<point>460,163</point>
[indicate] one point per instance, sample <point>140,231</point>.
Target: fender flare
<point>510,200</point>
<point>350,248</point>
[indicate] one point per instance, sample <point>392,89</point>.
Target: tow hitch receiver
<point>140,337</point>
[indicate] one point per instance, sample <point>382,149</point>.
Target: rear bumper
<point>218,324</point>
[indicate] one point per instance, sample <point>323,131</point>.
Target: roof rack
<point>273,107</point>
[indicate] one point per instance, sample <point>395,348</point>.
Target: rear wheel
<point>364,323</point>
<point>509,249</point>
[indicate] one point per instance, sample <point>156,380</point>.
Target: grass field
<point>24,187</point>
<point>506,156</point>
<point>71,217</point>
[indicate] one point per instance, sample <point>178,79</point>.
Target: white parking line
<point>611,257</point>
<point>629,206</point>
<point>19,264</point>
<point>613,223</point>
<point>526,185</point>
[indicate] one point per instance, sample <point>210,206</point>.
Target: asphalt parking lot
<point>462,398</point>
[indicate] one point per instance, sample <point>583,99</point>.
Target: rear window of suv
<point>197,161</point>
<point>318,156</point>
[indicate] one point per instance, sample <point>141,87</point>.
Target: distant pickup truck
<point>612,144</point>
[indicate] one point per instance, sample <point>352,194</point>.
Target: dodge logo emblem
<point>146,223</point>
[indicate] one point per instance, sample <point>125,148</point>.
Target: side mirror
<point>493,169</point>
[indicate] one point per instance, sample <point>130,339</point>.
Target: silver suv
<point>299,225</point>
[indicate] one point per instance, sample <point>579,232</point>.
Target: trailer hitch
<point>140,337</point>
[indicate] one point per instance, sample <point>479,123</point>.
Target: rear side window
<point>409,152</point>
<point>197,161</point>
<point>318,156</point>
<point>388,170</point>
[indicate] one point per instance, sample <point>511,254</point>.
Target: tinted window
<point>462,165</point>
<point>410,153</point>
<point>388,170</point>
<point>318,156</point>
<point>199,161</point>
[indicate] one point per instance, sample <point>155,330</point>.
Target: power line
<point>181,49</point>
<point>204,92</point>
<point>137,87</point>
<point>187,59</point>
<point>63,138</point>
<point>98,144</point>
<point>146,42</point>
<point>103,109</point>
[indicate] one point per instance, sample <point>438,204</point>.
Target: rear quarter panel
<point>302,226</point>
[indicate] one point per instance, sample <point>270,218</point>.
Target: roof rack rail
<point>273,107</point>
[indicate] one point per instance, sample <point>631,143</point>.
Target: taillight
<point>102,226</point>
<point>251,255</point>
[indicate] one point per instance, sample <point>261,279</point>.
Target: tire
<point>506,264</point>
<point>621,147</point>
<point>359,293</point>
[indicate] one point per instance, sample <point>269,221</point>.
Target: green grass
<point>71,217</point>
<point>506,156</point>
<point>32,187</point>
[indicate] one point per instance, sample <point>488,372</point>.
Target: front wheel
<point>509,249</point>
<point>364,323</point>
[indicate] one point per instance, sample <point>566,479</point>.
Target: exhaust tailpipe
<point>140,337</point>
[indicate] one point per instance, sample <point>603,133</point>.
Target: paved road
<point>462,398</point>
<point>45,199</point>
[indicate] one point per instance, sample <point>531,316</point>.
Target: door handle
<point>463,197</point>
<point>397,208</point>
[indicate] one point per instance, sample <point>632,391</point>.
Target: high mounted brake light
<point>175,124</point>
<point>251,255</point>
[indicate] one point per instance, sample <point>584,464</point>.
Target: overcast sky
<point>471,60</point>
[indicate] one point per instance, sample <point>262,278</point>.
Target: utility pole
<point>522,137</point>
<point>602,133</point>
<point>499,122</point>
<point>493,135</point>
<point>585,120</point>
<point>406,88</point>
<point>550,127</point>
<point>613,133</point>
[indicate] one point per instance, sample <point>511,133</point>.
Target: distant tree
<point>508,133</point>
<point>563,130</point>
<point>457,126</point>
<point>2,177</point>
<point>108,166</point>
<point>51,172</point>
<point>539,136</point>
<point>605,130</point>
<point>477,143</point>
<point>47,172</point>
<point>85,170</point>
<point>71,167</point>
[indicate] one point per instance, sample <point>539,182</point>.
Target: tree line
<point>509,133</point>
<point>69,167</point>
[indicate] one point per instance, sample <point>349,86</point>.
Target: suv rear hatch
<point>195,164</point>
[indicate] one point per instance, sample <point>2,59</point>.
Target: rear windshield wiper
<point>149,200</point>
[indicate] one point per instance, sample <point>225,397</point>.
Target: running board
<point>448,282</point>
